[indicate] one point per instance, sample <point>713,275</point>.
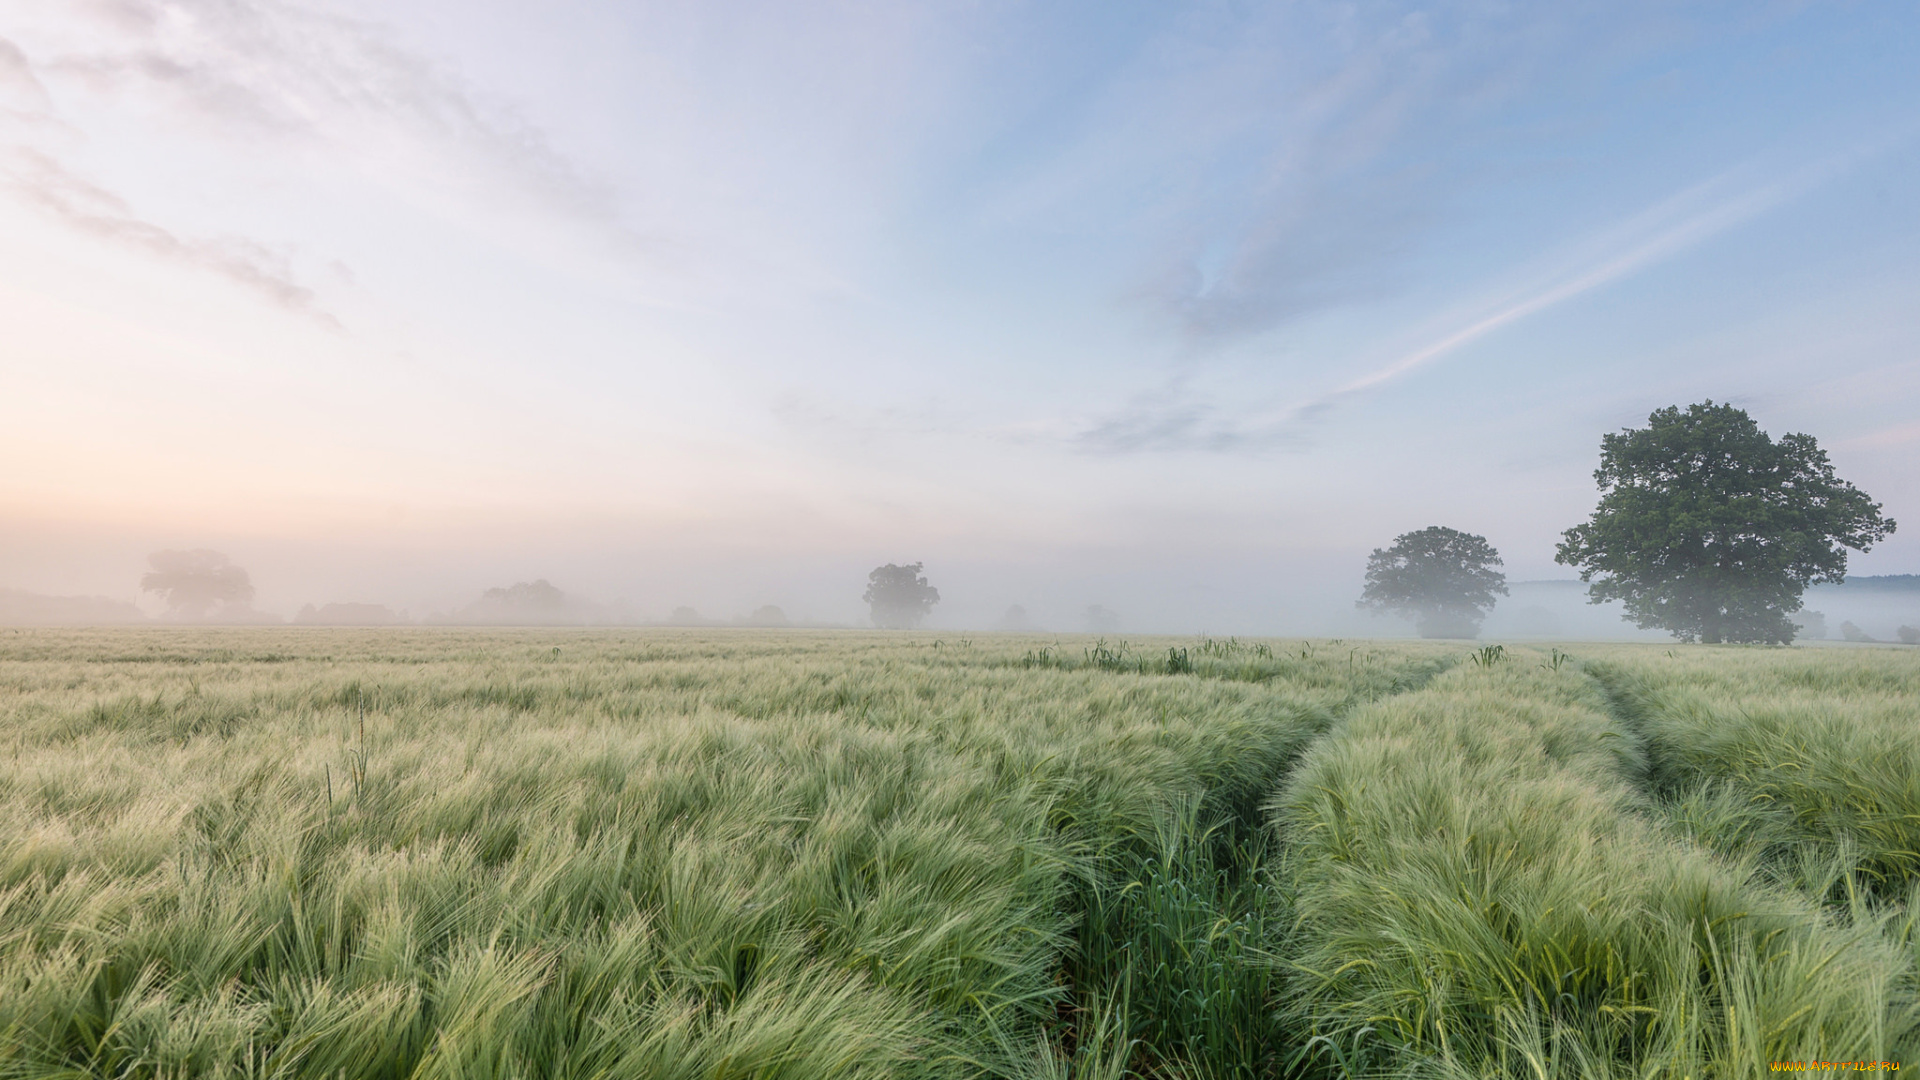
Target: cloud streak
<point>259,71</point>
<point>21,94</point>
<point>1313,199</point>
<point>1675,225</point>
<point>45,183</point>
<point>1663,244</point>
<point>263,67</point>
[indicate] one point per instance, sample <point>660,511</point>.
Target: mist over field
<point>1242,594</point>
<point>628,586</point>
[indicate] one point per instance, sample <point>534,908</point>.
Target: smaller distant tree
<point>1015,619</point>
<point>899,597</point>
<point>347,615</point>
<point>1100,620</point>
<point>1443,579</point>
<point>194,583</point>
<point>524,603</point>
<point>767,615</point>
<point>527,596</point>
<point>1810,624</point>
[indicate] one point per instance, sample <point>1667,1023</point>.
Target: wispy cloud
<point>1307,151</point>
<point>1663,242</point>
<point>262,67</point>
<point>253,72</point>
<point>1663,231</point>
<point>1166,422</point>
<point>22,97</point>
<point>1147,426</point>
<point>47,184</point>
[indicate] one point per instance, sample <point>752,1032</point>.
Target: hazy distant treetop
<point>898,597</point>
<point>1100,620</point>
<point>347,615</point>
<point>1712,530</point>
<point>193,583</point>
<point>1880,582</point>
<point>536,595</point>
<point>21,608</point>
<point>768,615</point>
<point>1442,578</point>
<point>527,603</point>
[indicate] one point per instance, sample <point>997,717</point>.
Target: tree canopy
<point>525,603</point>
<point>768,615</point>
<point>538,595</point>
<point>899,597</point>
<point>1710,529</point>
<point>1441,578</point>
<point>193,583</point>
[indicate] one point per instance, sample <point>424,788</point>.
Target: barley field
<point>810,854</point>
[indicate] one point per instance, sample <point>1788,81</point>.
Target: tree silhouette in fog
<point>899,597</point>
<point>527,596</point>
<point>194,583</point>
<point>525,603</point>
<point>1441,578</point>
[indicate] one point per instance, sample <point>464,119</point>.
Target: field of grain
<point>759,854</point>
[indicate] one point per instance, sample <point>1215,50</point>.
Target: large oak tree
<point>1711,530</point>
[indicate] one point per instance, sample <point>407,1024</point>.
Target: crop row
<point>1483,885</point>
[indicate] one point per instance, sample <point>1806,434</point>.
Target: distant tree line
<point>1706,528</point>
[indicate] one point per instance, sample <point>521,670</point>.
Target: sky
<point>1178,308</point>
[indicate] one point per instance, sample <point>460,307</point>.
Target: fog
<point>639,585</point>
<point>93,578</point>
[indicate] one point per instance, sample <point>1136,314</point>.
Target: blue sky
<point>1179,308</point>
